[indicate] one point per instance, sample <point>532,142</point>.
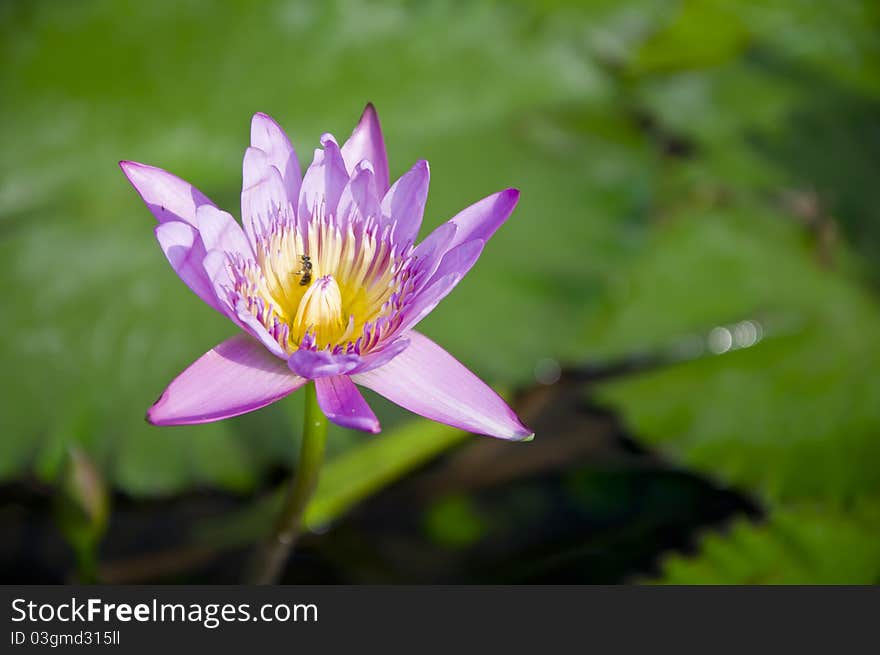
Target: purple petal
<point>453,266</point>
<point>215,267</point>
<point>480,220</point>
<point>250,324</point>
<point>380,357</point>
<point>405,201</point>
<point>459,259</point>
<point>343,404</point>
<point>366,142</point>
<point>427,380</point>
<point>235,377</point>
<point>166,195</point>
<point>324,180</point>
<point>219,231</point>
<point>359,197</point>
<point>268,136</point>
<point>432,248</point>
<point>426,300</point>
<point>263,194</point>
<point>314,364</point>
<point>185,252</point>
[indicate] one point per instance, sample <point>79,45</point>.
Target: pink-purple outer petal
<point>366,142</point>
<point>427,299</point>
<point>427,380</point>
<point>359,199</point>
<point>323,182</point>
<point>431,250</point>
<point>460,259</point>
<point>263,195</point>
<point>185,252</point>
<point>480,220</point>
<point>235,377</point>
<point>343,404</point>
<point>405,201</point>
<point>219,231</point>
<point>453,267</point>
<point>214,265</point>
<point>166,195</point>
<point>267,135</point>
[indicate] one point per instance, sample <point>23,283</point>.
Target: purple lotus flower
<point>326,284</point>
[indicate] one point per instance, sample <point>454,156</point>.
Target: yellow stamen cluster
<point>332,284</point>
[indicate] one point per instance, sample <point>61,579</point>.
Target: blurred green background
<point>696,246</point>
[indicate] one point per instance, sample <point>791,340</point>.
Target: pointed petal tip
<point>262,120</point>
<point>508,198</point>
<point>521,433</point>
<point>151,415</point>
<point>130,168</point>
<point>360,423</point>
<point>167,196</point>
<point>370,426</point>
<point>128,165</point>
<point>367,142</point>
<point>157,415</point>
<point>327,138</point>
<point>514,431</point>
<point>481,219</point>
<point>344,405</point>
<point>364,165</point>
<point>261,115</point>
<point>369,116</point>
<point>528,437</point>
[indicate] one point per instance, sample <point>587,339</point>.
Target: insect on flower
<point>305,270</point>
<point>326,282</point>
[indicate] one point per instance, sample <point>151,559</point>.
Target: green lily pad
<point>793,417</point>
<point>809,544</point>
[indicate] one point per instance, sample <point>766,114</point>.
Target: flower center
<point>341,285</point>
<point>320,312</point>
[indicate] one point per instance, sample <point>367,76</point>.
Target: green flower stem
<point>269,564</point>
<point>86,563</point>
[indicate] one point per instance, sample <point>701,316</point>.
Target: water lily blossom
<point>326,283</point>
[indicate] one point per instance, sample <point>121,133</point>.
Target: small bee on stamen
<point>305,270</point>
